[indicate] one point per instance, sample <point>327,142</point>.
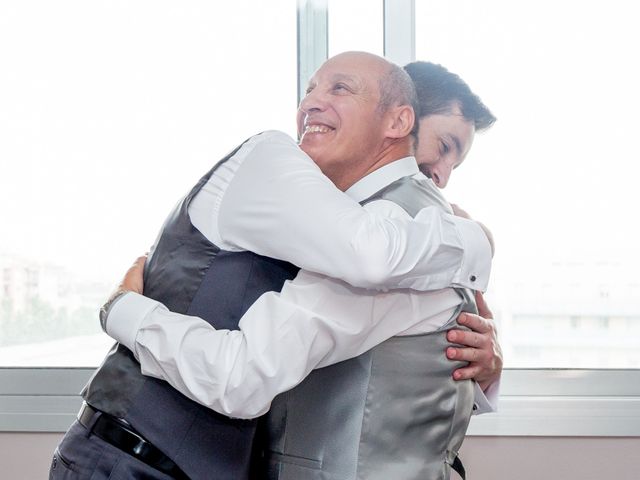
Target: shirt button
<point>475,407</point>
<point>472,278</point>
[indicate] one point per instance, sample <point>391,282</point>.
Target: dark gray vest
<point>189,274</point>
<point>393,413</point>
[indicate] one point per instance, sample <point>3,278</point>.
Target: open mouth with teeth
<point>317,129</point>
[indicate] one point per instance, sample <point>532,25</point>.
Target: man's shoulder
<point>273,136</point>
<point>386,208</point>
<point>269,144</point>
<point>414,193</point>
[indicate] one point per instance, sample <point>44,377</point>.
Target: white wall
<point>551,458</point>
<point>26,456</point>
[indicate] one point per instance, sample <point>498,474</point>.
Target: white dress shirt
<point>315,321</point>
<point>271,199</point>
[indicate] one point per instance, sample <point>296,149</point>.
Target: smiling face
<point>443,143</point>
<point>339,121</point>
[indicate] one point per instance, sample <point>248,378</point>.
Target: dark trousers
<point>83,456</point>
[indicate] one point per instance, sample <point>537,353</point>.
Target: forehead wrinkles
<point>354,81</point>
<point>345,77</point>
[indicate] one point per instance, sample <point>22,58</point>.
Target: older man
<point>190,271</point>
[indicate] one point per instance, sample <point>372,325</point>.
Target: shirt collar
<point>380,178</point>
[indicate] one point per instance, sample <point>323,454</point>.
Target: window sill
<point>561,402</point>
<point>594,403</point>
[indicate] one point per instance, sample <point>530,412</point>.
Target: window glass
<point>556,177</point>
<point>355,25</point>
<point>109,112</point>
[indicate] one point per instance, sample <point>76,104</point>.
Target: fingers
<point>479,346</point>
<point>133,279</point>
<point>475,322</point>
<point>467,373</point>
<point>466,338</point>
<point>480,368</point>
<point>474,355</point>
<point>483,308</point>
<point>485,363</point>
<point>140,261</point>
<point>459,212</point>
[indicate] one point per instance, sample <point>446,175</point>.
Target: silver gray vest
<point>393,413</point>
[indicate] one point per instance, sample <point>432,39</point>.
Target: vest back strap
<point>459,468</point>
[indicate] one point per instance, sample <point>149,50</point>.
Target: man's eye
<point>444,148</point>
<point>339,87</point>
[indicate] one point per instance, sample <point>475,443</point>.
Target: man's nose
<point>314,101</point>
<point>440,174</point>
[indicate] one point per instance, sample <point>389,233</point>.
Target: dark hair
<point>439,90</point>
<point>397,88</point>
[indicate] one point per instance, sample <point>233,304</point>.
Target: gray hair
<point>397,88</point>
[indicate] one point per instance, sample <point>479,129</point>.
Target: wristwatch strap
<point>108,305</point>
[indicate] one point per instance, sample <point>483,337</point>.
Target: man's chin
<point>310,149</point>
<point>320,147</point>
<point>315,153</point>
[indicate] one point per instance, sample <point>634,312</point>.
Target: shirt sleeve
<point>314,322</point>
<point>487,401</point>
<point>279,204</point>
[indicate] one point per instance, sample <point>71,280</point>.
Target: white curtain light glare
<point>556,177</point>
<point>355,25</point>
<point>110,111</point>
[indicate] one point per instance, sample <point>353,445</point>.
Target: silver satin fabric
<point>393,413</point>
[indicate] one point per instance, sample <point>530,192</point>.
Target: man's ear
<point>401,120</point>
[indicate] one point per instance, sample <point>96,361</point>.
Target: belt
<point>121,435</point>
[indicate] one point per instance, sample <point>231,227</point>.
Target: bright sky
<point>562,78</point>
<point>555,178</point>
<point>110,110</point>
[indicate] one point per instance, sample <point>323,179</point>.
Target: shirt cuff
<point>476,263</point>
<point>487,401</point>
<point>126,317</point>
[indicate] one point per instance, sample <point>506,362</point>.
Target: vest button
<point>472,278</point>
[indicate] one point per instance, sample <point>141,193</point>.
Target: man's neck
<point>382,177</point>
<point>391,151</point>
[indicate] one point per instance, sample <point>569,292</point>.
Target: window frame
<point>533,402</point>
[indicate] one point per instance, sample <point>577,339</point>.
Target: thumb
<point>483,309</point>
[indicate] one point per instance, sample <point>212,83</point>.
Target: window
<point>110,112</point>
<point>472,39</point>
<point>355,25</point>
<point>555,178</point>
